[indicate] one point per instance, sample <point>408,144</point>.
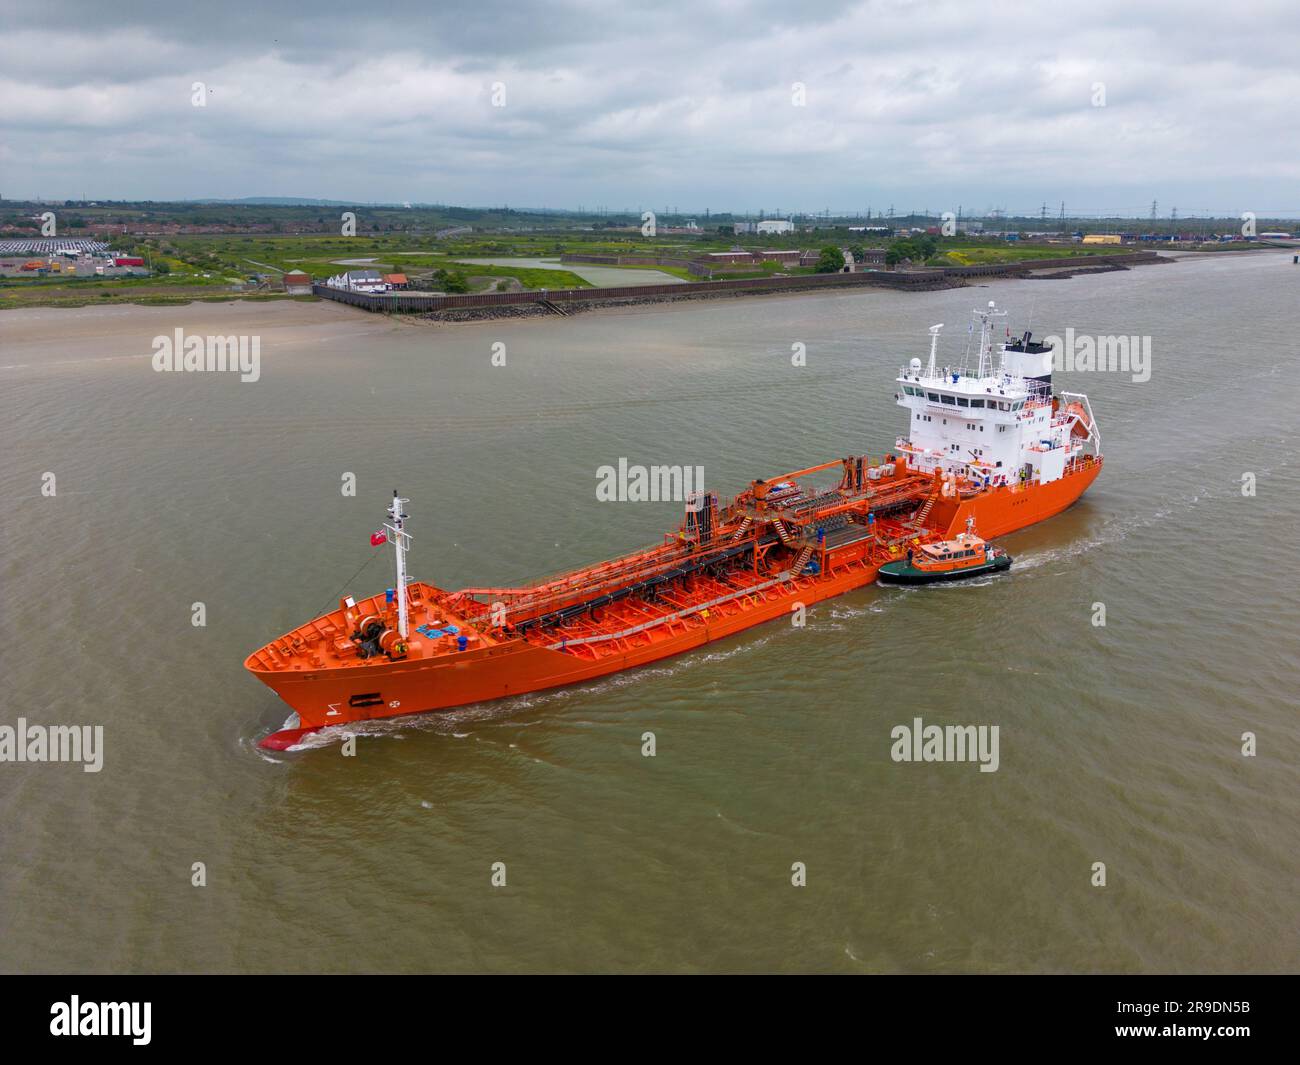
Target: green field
<point>955,253</point>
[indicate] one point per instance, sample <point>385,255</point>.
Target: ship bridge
<point>992,419</point>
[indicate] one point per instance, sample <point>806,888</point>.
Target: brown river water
<point>1119,744</point>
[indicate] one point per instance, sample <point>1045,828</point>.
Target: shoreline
<point>566,302</point>
<point>540,309</point>
<point>309,310</point>
<point>563,303</point>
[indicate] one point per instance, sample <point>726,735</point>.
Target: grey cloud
<point>668,102</point>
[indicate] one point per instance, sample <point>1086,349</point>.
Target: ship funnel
<point>1031,360</point>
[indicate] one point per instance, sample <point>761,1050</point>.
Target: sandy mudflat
<point>50,334</point>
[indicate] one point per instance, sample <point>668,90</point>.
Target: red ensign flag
<point>377,538</point>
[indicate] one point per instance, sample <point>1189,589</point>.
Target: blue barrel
<point>389,596</point>
<point>462,642</point>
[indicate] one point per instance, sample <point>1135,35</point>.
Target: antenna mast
<point>986,341</point>
<point>934,343</point>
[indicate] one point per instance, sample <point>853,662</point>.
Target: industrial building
<point>768,226</point>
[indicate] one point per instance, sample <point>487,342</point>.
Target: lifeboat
<point>1082,427</point>
<point>947,560</point>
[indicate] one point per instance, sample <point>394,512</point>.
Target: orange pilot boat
<point>947,560</point>
<point>989,443</point>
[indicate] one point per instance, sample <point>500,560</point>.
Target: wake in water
<point>1115,530</point>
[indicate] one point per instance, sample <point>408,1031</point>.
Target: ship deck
<point>756,555</point>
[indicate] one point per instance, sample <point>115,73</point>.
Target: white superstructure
<point>993,419</point>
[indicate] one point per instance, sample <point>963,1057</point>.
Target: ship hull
<point>386,689</point>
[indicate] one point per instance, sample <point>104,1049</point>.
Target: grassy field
<point>1013,251</point>
<point>528,277</point>
<point>150,295</point>
<point>675,271</point>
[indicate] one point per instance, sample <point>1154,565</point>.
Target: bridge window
<point>977,403</point>
<point>933,397</point>
<point>962,401</point>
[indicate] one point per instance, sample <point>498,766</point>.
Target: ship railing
<point>575,578</point>
<point>631,560</point>
<point>1041,391</point>
<point>541,598</point>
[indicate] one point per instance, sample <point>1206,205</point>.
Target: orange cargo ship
<point>988,442</point>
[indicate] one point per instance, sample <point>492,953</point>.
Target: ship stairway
<point>745,526</point>
<point>923,513</point>
<point>802,560</point>
<point>783,533</point>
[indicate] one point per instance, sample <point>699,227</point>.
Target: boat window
<point>949,400</point>
<point>962,401</point>
<point>977,403</point>
<point>933,397</point>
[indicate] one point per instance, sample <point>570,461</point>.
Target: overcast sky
<point>671,104</point>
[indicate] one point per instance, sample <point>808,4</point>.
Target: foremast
<point>401,542</point>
